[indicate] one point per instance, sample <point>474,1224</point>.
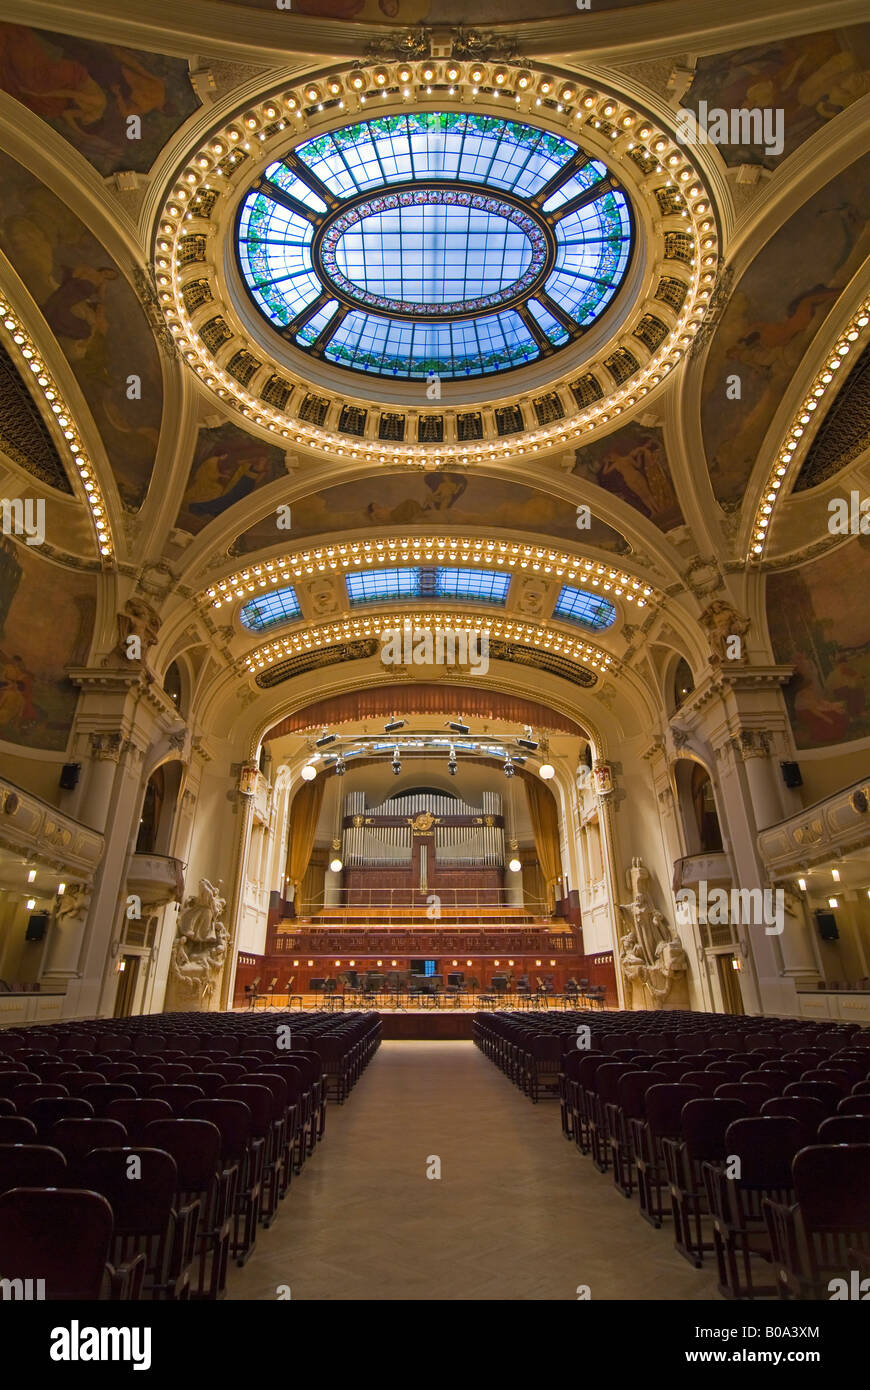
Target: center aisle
<point>517,1214</point>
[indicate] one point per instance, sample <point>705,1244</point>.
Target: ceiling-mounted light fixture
<point>325,739</point>
<point>508,766</point>
<point>457,727</point>
<point>340,766</point>
<point>451,762</point>
<point>546,771</point>
<point>336,865</point>
<point>397,761</point>
<point>514,865</point>
<point>308,772</point>
<point>393,725</point>
<point>528,743</point>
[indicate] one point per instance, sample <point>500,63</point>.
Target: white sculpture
<point>651,955</point>
<point>199,950</point>
<point>201,915</point>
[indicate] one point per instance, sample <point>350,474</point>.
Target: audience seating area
<point>750,1136</point>
<point>137,1156</point>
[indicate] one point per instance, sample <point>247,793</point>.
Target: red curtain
<point>424,699</point>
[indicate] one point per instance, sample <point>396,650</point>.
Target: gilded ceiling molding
<point>357,628</point>
<point>21,346</point>
<point>646,341</point>
<point>355,555</point>
<point>794,444</point>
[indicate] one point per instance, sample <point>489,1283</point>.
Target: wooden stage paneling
<point>430,1024</point>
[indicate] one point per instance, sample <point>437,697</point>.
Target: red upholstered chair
<point>815,1239</point>
<point>242,1151</point>
<point>136,1115</point>
<point>703,1123</point>
<point>195,1146</point>
<point>36,1164</point>
<point>63,1236</point>
<point>77,1138</point>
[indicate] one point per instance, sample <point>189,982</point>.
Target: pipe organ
<point>458,834</point>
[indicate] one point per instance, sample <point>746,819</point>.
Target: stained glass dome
<point>446,244</point>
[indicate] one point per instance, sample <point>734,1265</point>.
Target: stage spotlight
<point>508,766</point>
<point>457,727</point>
<point>324,740</point>
<point>528,743</point>
<point>308,772</point>
<point>340,766</point>
<point>451,762</point>
<point>397,763</point>
<point>393,725</point>
<point>546,771</point>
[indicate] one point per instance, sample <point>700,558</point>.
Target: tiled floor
<point>517,1213</point>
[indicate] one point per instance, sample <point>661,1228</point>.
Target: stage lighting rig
<point>393,725</point>
<point>325,740</point>
<point>457,727</point>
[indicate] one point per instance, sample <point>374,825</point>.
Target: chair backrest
<point>664,1106</point>
<point>231,1117</point>
<point>821,1090</point>
<point>704,1122</point>
<point>753,1094</point>
<point>25,1095</point>
<point>135,1115</point>
<point>257,1098</point>
<point>76,1138</point>
<point>141,1207</point>
<point>17,1129</point>
<point>729,1071</point>
<point>59,1235</point>
<point>765,1146</point>
<point>831,1077</point>
<point>831,1186</point>
<point>177,1096</point>
<point>195,1146</point>
<point>607,1078</point>
<point>36,1164</point>
<point>854,1105</point>
<point>102,1095</point>
<point>631,1089</point>
<point>805,1110</point>
<point>706,1081</point>
<point>845,1129</point>
<point>46,1113</point>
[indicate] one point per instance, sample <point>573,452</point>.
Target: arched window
<point>151,807</point>
<point>172,684</point>
<point>706,815</point>
<point>684,683</point>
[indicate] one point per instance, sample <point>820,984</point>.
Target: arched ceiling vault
<point>191,491</point>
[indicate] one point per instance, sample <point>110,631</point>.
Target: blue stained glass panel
<point>587,610</point>
<point>267,610</point>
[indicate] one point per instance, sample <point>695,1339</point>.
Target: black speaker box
<point>827,925</point>
<point>69,776</point>
<point>37,926</point>
<point>791,774</point>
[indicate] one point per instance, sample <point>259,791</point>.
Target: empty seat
<point>101,1095</point>
<point>77,1138</point>
<point>243,1150</point>
<point>195,1146</point>
<point>813,1239</point>
<point>753,1094</point>
<point>664,1108</point>
<point>46,1112</point>
<point>845,1129</point>
<point>757,1166</point>
<point>137,1114</point>
<point>177,1097</point>
<point>34,1164</point>
<point>703,1123</point>
<point>63,1236</point>
<point>819,1090</point>
<point>17,1129</point>
<point>146,1219</point>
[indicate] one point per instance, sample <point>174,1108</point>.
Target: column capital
<point>107,746</point>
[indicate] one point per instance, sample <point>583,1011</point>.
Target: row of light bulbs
<point>824,380</point>
<point>477,550</point>
<point>671,161</point>
<point>25,348</point>
<point>352,963</point>
<point>350,629</point>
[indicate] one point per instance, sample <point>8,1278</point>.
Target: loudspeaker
<point>37,926</point>
<point>69,776</point>
<point>791,774</point>
<point>827,925</point>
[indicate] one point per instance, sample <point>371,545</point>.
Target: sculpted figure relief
<point>199,950</point>
<point>651,956</point>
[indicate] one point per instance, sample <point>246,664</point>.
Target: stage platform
<point>444,1020</point>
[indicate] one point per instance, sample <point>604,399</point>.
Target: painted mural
<point>228,465</point>
<point>87,91</point>
<point>809,79</point>
<point>816,625</point>
<point>776,308</point>
<point>96,318</point>
<point>446,500</point>
<point>632,464</point>
<point>46,619</point>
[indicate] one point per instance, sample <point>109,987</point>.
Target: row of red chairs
<point>215,1132</point>
<point>761,1154</point>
